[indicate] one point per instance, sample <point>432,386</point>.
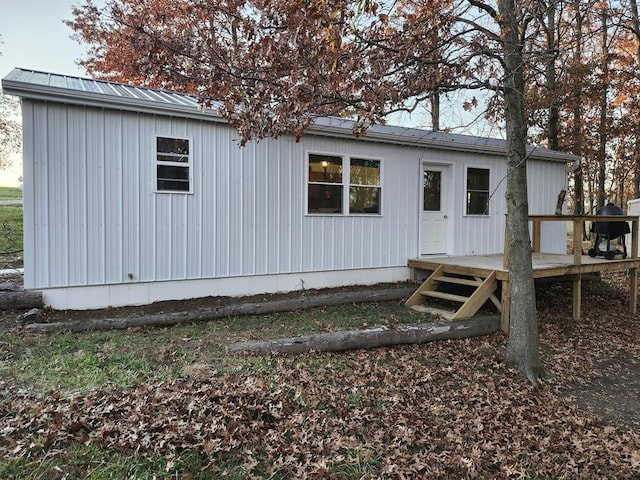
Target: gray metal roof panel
<point>84,91</point>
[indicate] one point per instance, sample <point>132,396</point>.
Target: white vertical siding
<point>550,179</point>
<point>95,218</point>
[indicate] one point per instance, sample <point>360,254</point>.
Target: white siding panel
<point>57,211</point>
<point>147,129</point>
<point>29,152</point>
<point>193,205</point>
<point>235,207</point>
<point>550,179</point>
<point>77,196</point>
<point>205,172</point>
<point>222,205</point>
<point>130,231</point>
<point>96,198</point>
<point>113,205</point>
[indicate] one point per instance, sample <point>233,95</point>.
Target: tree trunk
<point>522,344</point>
<point>577,118</point>
<point>635,26</point>
<point>373,337</point>
<point>602,127</point>
<point>553,123</point>
<point>435,110</point>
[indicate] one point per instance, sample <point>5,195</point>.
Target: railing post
<point>577,241</point>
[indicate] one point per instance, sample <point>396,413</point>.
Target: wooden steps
<point>483,289</point>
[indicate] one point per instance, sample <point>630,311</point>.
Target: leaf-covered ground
<point>440,410</point>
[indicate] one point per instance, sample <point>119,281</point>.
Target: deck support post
<point>577,296</point>
<point>506,304</point>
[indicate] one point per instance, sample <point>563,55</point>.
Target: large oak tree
<point>271,66</point>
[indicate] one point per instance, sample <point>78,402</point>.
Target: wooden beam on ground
<point>235,309</point>
<point>373,337</point>
<point>577,296</point>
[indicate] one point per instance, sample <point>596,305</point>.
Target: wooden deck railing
<point>631,264</point>
<point>578,221</point>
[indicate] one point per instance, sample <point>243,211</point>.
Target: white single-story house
<point>134,195</point>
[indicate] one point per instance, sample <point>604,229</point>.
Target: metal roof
<point>32,84</point>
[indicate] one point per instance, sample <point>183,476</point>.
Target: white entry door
<point>433,225</point>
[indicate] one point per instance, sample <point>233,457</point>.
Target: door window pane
<point>432,187</point>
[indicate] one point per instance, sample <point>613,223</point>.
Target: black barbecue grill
<point>606,232</point>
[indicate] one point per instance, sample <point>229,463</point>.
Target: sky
<point>33,36</point>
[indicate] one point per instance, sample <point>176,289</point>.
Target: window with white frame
<point>173,165</point>
<point>343,185</point>
<point>477,191</point>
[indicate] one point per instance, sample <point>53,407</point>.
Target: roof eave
<point>100,100</point>
<point>333,127</point>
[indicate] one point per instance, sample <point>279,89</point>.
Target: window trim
<point>466,191</point>
<point>346,184</point>
<point>188,164</point>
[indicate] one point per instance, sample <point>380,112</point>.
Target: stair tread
<point>458,281</point>
<point>445,296</point>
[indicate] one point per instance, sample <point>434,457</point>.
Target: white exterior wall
<point>92,217</point>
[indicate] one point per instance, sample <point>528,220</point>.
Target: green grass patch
<point>10,193</point>
<point>11,219</point>
<point>76,363</point>
<point>92,462</point>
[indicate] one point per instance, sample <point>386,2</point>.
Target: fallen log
<point>373,337</point>
<point>210,313</point>
<point>20,300</point>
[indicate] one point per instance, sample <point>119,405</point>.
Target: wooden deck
<point>545,265</point>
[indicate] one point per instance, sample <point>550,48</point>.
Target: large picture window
<point>342,185</point>
<point>173,165</point>
<point>477,191</point>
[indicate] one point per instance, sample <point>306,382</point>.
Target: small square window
<point>173,164</point>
